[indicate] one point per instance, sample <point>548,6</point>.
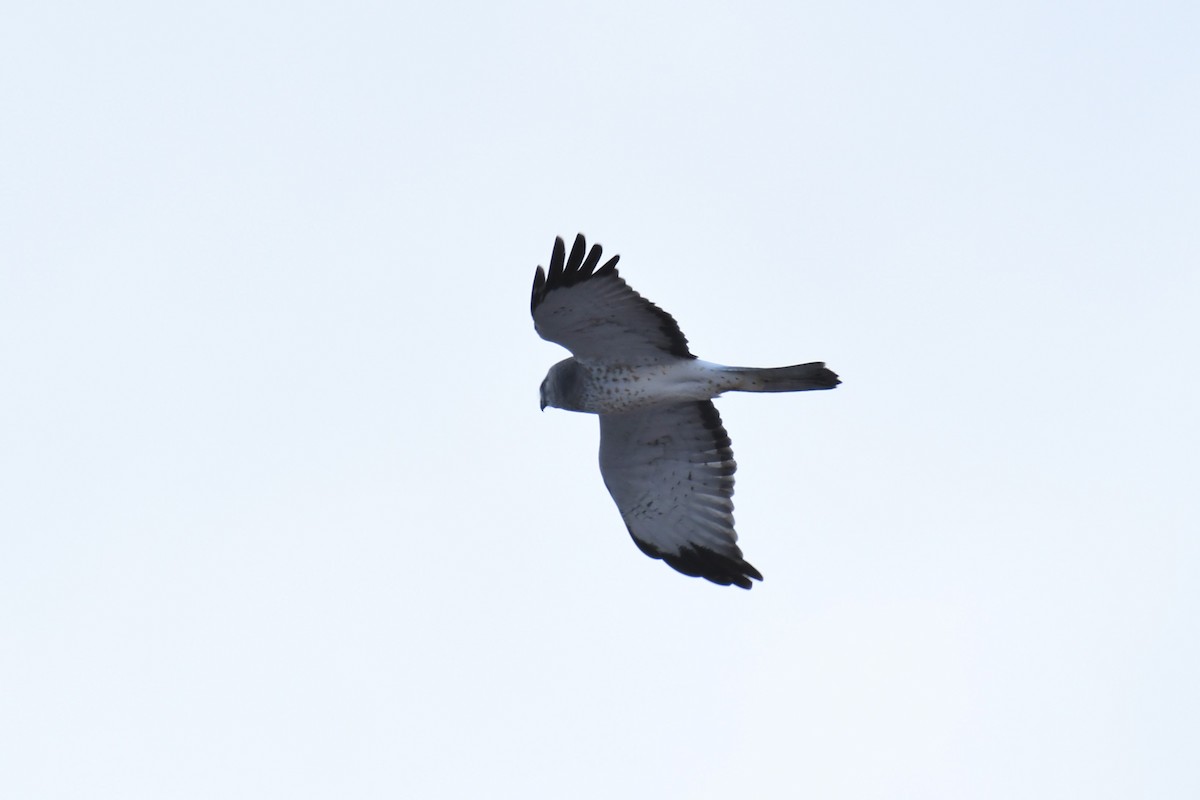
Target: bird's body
<point>614,387</point>
<point>664,455</point>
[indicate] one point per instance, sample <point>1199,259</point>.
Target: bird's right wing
<point>670,471</point>
<point>593,312</point>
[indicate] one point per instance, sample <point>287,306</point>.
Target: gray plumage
<point>664,454</point>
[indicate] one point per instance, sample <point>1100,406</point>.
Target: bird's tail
<point>796,378</point>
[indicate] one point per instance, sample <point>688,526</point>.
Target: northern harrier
<point>664,455</point>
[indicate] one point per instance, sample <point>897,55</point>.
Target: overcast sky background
<point>281,519</point>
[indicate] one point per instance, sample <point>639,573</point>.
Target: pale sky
<point>280,518</point>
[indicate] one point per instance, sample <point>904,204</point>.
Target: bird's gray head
<point>562,385</point>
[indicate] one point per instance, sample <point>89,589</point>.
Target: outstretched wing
<point>593,312</point>
<point>670,470</point>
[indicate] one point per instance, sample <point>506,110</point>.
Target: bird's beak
<point>543,405</point>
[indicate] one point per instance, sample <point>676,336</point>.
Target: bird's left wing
<point>670,471</point>
<point>593,312</point>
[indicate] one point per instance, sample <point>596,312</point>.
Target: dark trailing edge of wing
<point>710,418</point>
<point>566,272</point>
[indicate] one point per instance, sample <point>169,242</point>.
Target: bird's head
<point>562,386</point>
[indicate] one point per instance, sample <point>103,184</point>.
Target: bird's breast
<point>614,388</point>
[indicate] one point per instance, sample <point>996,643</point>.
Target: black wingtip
<point>697,562</point>
<point>557,257</point>
<point>539,288</point>
<point>610,266</point>
<point>589,264</point>
<point>577,251</point>
<point>566,271</point>
<point>712,566</point>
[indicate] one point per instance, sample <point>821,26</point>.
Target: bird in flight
<point>664,455</point>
